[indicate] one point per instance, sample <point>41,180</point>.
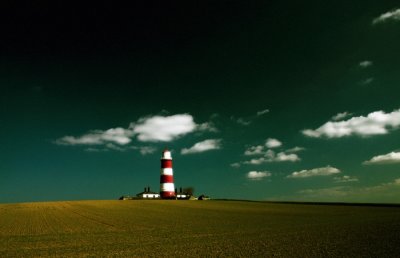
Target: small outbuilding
<point>203,197</point>
<point>126,197</point>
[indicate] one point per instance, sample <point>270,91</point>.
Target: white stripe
<point>167,187</point>
<point>166,171</point>
<point>166,155</point>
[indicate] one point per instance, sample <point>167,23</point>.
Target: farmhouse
<point>147,194</point>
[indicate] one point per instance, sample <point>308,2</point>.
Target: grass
<point>197,229</point>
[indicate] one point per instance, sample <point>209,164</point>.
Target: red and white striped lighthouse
<point>167,187</point>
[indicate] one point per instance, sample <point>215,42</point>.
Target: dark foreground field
<point>197,229</point>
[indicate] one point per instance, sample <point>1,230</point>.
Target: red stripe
<point>166,163</point>
<point>167,195</point>
<point>166,179</point>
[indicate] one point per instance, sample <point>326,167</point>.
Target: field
<point>197,229</point>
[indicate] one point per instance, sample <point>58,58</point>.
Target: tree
<point>188,190</point>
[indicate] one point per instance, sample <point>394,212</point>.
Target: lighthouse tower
<point>167,188</point>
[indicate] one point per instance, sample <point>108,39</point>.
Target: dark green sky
<point>90,95</point>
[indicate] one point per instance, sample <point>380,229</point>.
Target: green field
<point>197,229</point>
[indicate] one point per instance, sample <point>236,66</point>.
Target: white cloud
<point>341,116</point>
<point>273,143</point>
<point>394,183</point>
<point>112,146</point>
<point>311,133</point>
<point>163,128</point>
<point>391,15</point>
<point>365,194</point>
<point>144,150</point>
<point>246,121</point>
<point>323,171</point>
<point>281,156</point>
<point>392,157</point>
<point>160,128</point>
<point>338,191</point>
<point>295,149</point>
<point>260,150</point>
<point>118,135</point>
<point>206,145</point>
<point>207,127</point>
<point>254,150</point>
<point>256,161</point>
<point>367,81</point>
<point>262,112</point>
<point>235,165</point>
<point>365,64</point>
<point>345,179</point>
<point>258,175</point>
<point>382,193</point>
<point>243,122</point>
<point>376,123</point>
<point>96,150</point>
<point>270,156</point>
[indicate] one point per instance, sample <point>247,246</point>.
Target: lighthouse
<point>167,187</point>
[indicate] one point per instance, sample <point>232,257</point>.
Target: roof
<point>147,193</point>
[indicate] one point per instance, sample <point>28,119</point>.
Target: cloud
<point>262,112</point>
<point>323,171</point>
<point>365,64</point>
<point>163,128</point>
<point>144,150</point>
<point>159,128</point>
<point>118,135</point>
<point>270,156</point>
<point>258,175</point>
<point>243,122</point>
<point>367,81</point>
<point>207,127</point>
<point>254,150</point>
<point>260,150</point>
<point>246,121</point>
<point>90,149</point>
<point>345,179</point>
<point>206,145</point>
<point>390,158</point>
<point>295,149</point>
<point>341,116</point>
<point>388,16</point>
<point>376,123</point>
<point>273,143</point>
<point>112,146</point>
<point>384,192</point>
<point>256,161</point>
<point>235,165</point>
<point>338,191</point>
<point>395,183</point>
<point>281,156</point>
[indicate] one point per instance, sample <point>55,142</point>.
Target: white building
<point>147,194</point>
<point>182,196</point>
